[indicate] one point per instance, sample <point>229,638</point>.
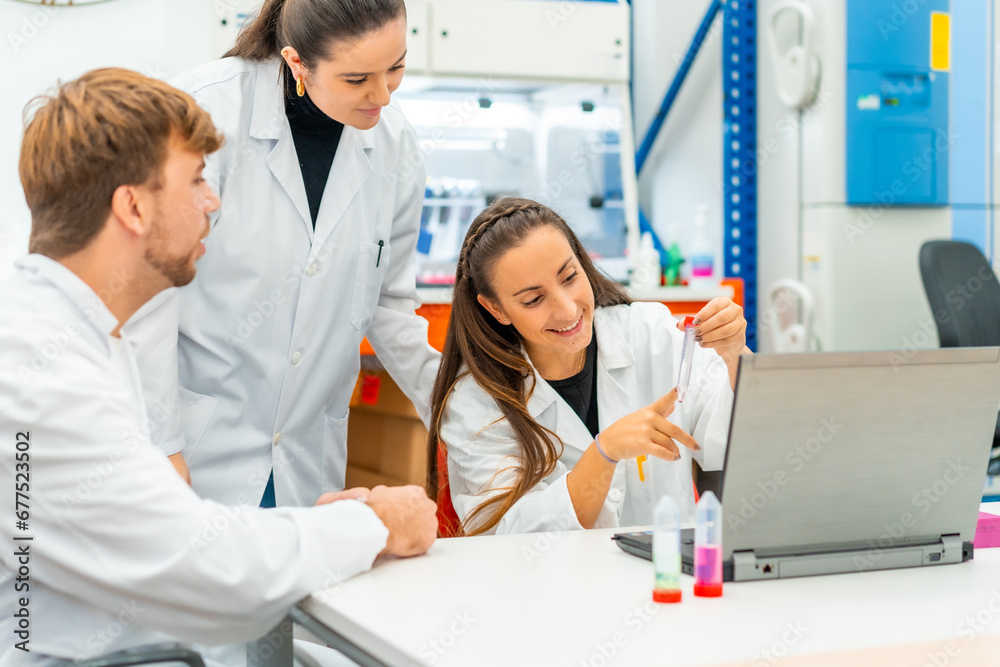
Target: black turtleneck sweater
<point>580,390</point>
<point>316,136</point>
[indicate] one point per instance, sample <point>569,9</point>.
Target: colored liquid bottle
<point>708,547</point>
<point>667,551</point>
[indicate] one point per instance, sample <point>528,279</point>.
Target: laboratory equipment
<point>647,272</point>
<point>708,547</point>
<point>667,551</point>
<point>549,120</point>
<point>687,358</point>
<point>702,254</point>
<point>859,180</point>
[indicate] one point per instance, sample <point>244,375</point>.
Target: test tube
<point>708,547</point>
<point>687,358</point>
<point>667,551</point>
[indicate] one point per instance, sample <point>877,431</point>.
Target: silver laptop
<point>849,462</point>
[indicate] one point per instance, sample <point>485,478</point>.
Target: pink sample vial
<point>708,547</point>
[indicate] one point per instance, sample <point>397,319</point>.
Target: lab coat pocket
<point>334,452</point>
<point>372,262</point>
<point>196,412</point>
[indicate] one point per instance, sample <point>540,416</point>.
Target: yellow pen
<point>640,460</point>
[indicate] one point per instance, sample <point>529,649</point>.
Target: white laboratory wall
<point>43,44</point>
<point>685,167</point>
<point>779,224</point>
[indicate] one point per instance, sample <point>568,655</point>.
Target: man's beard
<point>178,269</point>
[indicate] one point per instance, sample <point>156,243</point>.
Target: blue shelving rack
<point>739,169</point>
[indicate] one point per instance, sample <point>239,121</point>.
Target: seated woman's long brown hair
<point>478,345</point>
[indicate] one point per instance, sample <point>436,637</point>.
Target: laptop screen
<point>858,450</point>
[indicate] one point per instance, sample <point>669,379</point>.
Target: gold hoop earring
<point>300,86</point>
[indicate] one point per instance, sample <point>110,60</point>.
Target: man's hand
<point>357,493</point>
<point>181,466</point>
<point>410,516</point>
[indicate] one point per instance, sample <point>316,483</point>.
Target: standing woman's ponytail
<point>258,40</point>
<point>311,27</point>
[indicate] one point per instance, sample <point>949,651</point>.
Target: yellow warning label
<point>940,41</point>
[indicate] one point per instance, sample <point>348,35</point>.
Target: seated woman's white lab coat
<point>638,355</point>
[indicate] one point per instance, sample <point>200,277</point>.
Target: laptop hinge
<point>747,566</point>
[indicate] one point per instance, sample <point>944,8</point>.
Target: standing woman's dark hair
<point>478,345</point>
<point>311,27</point>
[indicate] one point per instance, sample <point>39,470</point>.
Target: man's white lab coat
<point>123,552</point>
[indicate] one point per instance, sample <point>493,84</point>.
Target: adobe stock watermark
<point>44,354</point>
<point>898,16</point>
<point>433,649</point>
<point>968,629</point>
<point>55,342</point>
<point>100,640</point>
<point>265,648</point>
<point>914,168</point>
<point>545,540</point>
<point>156,414</point>
<point>213,527</point>
<point>785,303</point>
<point>796,459</point>
<point>605,651</point>
<point>957,298</point>
<point>922,500</point>
<point>768,145</point>
<point>263,309</point>
<point>778,649</point>
<point>30,26</point>
<point>561,13</point>
<point>454,116</point>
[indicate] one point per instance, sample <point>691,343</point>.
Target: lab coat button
<point>615,495</point>
<point>277,439</point>
<point>312,270</point>
<point>296,358</point>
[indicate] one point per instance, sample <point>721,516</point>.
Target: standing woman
<point>312,249</point>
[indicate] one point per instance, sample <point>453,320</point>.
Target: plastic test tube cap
<point>666,596</point>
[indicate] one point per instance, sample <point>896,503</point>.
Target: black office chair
<point>964,297</point>
<point>963,292</point>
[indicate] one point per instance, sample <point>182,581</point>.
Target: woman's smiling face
<point>542,290</point>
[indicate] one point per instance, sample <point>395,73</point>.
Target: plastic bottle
<point>708,547</point>
<point>667,551</point>
<point>646,274</point>
<point>702,254</point>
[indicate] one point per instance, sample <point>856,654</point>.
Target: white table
<point>576,599</point>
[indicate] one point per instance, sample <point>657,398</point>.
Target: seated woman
<point>553,383</point>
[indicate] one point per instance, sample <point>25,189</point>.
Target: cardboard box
<point>376,392</point>
<point>384,435</point>
<point>392,446</point>
<point>360,477</point>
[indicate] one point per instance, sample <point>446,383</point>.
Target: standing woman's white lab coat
<point>270,329</point>
<point>638,352</point>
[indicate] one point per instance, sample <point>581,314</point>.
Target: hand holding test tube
<point>687,358</point>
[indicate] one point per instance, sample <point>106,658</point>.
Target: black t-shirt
<point>580,390</point>
<point>316,136</point>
